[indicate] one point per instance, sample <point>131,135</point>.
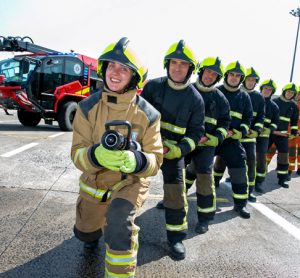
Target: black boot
<point>201,227</point>
<point>177,250</point>
<point>242,211</point>
<point>217,181</point>
<point>228,179</point>
<point>160,205</point>
<point>298,172</point>
<point>252,197</point>
<point>289,177</point>
<point>92,245</point>
<point>283,183</point>
<point>259,187</point>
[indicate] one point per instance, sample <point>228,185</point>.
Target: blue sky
<point>259,33</point>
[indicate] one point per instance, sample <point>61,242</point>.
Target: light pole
<point>295,13</point>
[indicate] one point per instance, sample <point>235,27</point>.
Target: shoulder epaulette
<point>87,104</point>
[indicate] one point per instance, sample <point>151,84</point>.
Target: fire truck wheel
<point>66,115</point>
<point>27,118</point>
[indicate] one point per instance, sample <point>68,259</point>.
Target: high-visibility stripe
<point>236,114</point>
<point>210,120</point>
<point>259,125</point>
<point>283,131</point>
<point>264,135</point>
<point>218,174</point>
<point>109,274</point>
<point>267,120</point>
<point>285,119</point>
<point>260,175</point>
<point>79,155</point>
<point>96,193</point>
<point>251,183</point>
<point>176,228</point>
<point>274,125</point>
<point>254,114</point>
<point>240,196</point>
<point>207,210</point>
<point>189,181</point>
<point>282,172</point>
<point>113,259</point>
<point>294,127</point>
<point>172,128</point>
<point>245,126</point>
<point>191,142</point>
<point>292,164</point>
<point>248,140</point>
<point>222,130</point>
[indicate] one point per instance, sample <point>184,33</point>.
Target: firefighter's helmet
<point>235,67</point>
<point>291,87</point>
<point>251,72</point>
<point>212,63</point>
<point>120,52</point>
<point>269,83</point>
<point>181,51</point>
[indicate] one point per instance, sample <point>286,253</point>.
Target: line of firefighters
<point>201,129</point>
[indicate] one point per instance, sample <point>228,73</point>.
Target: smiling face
<point>250,82</point>
<point>289,94</point>
<point>178,70</point>
<point>233,79</point>
<point>117,77</point>
<point>209,77</point>
<point>267,91</point>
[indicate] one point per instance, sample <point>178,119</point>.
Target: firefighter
<point>288,114</point>
<point>257,124</point>
<point>114,184</point>
<point>267,89</point>
<point>294,145</point>
<point>231,152</point>
<point>182,126</point>
<point>217,120</point>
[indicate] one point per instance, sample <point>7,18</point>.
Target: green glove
<point>129,162</point>
<point>212,141</point>
<point>112,160</point>
<point>174,150</point>
<point>252,134</point>
<point>236,134</point>
<point>266,131</point>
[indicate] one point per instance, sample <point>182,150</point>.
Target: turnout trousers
<point>232,154</point>
<point>175,201</point>
<point>262,144</point>
<point>294,153</point>
<point>114,217</point>
<point>200,169</point>
<point>280,144</point>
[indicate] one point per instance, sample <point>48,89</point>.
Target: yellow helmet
<point>120,52</point>
<point>269,83</point>
<point>251,72</point>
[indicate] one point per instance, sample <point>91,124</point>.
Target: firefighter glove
<point>174,150</point>
<point>252,134</point>
<point>212,141</point>
<point>129,162</point>
<point>236,134</point>
<point>266,131</point>
<point>110,159</point>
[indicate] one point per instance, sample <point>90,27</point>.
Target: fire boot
<point>217,181</point>
<point>201,227</point>
<point>289,177</point>
<point>298,172</point>
<point>251,196</point>
<point>92,245</point>
<point>283,183</point>
<point>160,205</point>
<point>242,211</point>
<point>177,250</point>
<point>259,187</point>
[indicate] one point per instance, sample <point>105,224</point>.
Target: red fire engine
<point>45,83</point>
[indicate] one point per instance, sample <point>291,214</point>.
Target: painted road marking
<point>273,216</point>
<point>26,147</point>
<point>56,134</point>
<point>290,228</point>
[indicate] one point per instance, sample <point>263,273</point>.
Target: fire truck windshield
<point>17,70</point>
